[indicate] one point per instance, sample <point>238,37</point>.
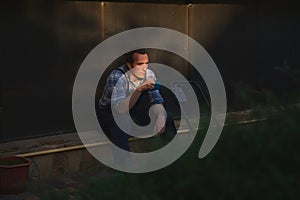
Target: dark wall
<point>43,45</point>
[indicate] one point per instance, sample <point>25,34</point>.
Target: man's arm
<point>134,96</point>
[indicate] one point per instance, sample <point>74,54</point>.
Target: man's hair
<point>129,56</point>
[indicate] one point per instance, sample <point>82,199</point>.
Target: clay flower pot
<point>13,174</point>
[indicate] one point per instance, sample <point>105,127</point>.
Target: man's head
<point>138,60</point>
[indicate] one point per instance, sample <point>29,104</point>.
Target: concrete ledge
<point>57,164</point>
<point>39,144</point>
<point>65,153</point>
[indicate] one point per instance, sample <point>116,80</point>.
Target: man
<point>134,91</point>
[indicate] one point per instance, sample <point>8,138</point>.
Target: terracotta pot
<point>13,174</point>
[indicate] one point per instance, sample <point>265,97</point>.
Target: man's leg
<point>170,130</point>
<point>117,137</point>
<point>112,131</point>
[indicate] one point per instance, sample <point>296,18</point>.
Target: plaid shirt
<point>119,86</point>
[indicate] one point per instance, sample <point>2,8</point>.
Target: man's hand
<point>146,85</point>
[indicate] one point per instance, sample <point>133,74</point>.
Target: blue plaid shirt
<point>124,87</point>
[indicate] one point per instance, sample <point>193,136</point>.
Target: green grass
<point>255,161</point>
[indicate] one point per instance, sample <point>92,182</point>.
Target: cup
<point>155,97</point>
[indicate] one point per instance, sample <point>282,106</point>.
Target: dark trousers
<point>140,115</point>
<point>112,130</point>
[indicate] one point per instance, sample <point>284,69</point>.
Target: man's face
<point>139,65</point>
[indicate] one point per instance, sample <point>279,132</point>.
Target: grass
<point>255,161</point>
<point>252,161</point>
